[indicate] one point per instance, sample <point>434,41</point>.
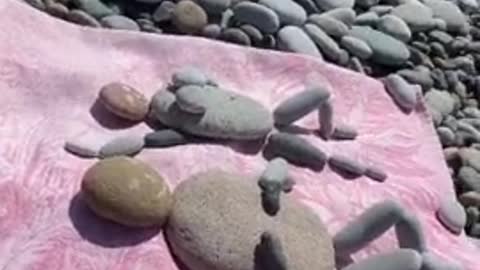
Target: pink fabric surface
<point>50,74</point>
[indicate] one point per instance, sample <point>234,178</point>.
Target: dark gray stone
<point>166,138</point>
<point>410,234</point>
<point>56,9</point>
<point>344,132</point>
<point>470,157</point>
<point>419,58</point>
<point>368,18</point>
<point>346,164</point>
<point>470,179</point>
<point>356,65</point>
<point>288,11</point>
<point>260,16</point>
<point>366,3</point>
<point>452,215</point>
<point>376,173</point>
<point>424,47</point>
<point>294,39</point>
<point>472,112</point>
<point>333,4</point>
<point>325,117</point>
<point>433,262</point>
<point>212,31</point>
<point>119,22</point>
<point>395,27</point>
<point>214,6</point>
<point>416,15</point>
<point>269,252</point>
<point>446,136</point>
<point>326,44</point>
<point>439,80</point>
<point>164,12</point>
<point>236,35</point>
<point>189,75</point>
<point>438,50</point>
<point>422,78</point>
<point>96,8</point>
<point>356,47</point>
<point>255,35</point>
<point>330,25</point>
<point>226,18</point>
<point>345,15</point>
<point>402,93</point>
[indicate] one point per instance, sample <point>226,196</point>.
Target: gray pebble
<point>470,198</point>
<point>470,132</point>
<point>56,9</point>
<point>376,173</point>
<point>188,99</point>
<point>122,146</point>
<point>330,25</point>
<point>119,22</point>
<point>451,77</point>
<point>440,36</point>
<point>288,11</point>
<point>344,132</point>
<point>345,15</point>
<point>470,179</point>
<point>164,12</point>
<point>421,78</point>
<point>82,18</point>
<point>260,16</point>
<point>475,230</point>
<point>368,226</point>
<point>424,47</point>
<point>470,157</point>
<point>438,50</point>
<point>439,80</point>
<point>214,6</point>
<point>446,136</point>
<point>440,101</point>
<point>402,92</point>
<point>410,234</point>
<point>326,44</point>
<point>236,35</point>
<point>366,3</point>
<point>308,5</point>
<point>345,164</point>
<point>269,252</point>
<point>449,12</point>
<point>401,259</point>
<point>381,9</point>
<point>272,182</point>
<point>325,117</point>
<point>416,15</point>
<point>212,31</point>
<point>450,153</point>
<point>419,58</point>
<point>294,39</point>
<point>296,150</point>
<point>394,26</point>
<point>189,75</point>
<point>473,215</point>
<point>356,65</point>
<point>368,18</point>
<point>96,8</point>
<point>38,4</point>
<point>452,215</point>
<point>333,4</point>
<point>472,112</point>
<point>440,24</point>
<point>356,47</point>
<point>255,35</point>
<point>165,138</point>
<point>474,46</point>
<point>343,58</point>
<point>299,105</point>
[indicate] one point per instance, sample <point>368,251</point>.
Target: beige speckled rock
<point>124,101</point>
<point>217,220</point>
<point>127,191</point>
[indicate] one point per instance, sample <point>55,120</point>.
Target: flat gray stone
<point>329,25</point>
<point>119,22</point>
<point>368,18</point>
<point>416,15</point>
<point>214,6</point>
<point>326,44</point>
<point>449,12</point>
<point>260,16</point>
<point>166,138</point>
<point>228,115</point>
<point>345,15</point>
<point>356,47</point>
<point>212,31</point>
<point>288,11</point>
<point>127,145</point>
<point>189,98</point>
<point>381,9</point>
<point>386,49</point>
<point>452,215</point>
<point>294,39</point>
<point>401,259</point>
<point>333,4</point>
<point>402,93</point>
<point>395,27</point>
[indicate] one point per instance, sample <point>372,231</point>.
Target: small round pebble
<point>119,22</point>
<point>124,101</point>
<point>236,35</point>
<point>470,198</point>
<point>345,15</point>
<point>452,215</point>
<point>56,9</point>
<point>189,17</point>
<point>212,31</point>
<point>127,145</point>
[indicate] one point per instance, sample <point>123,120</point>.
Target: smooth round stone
<point>119,22</point>
<point>452,215</point>
<point>217,221</point>
<point>449,12</point>
<point>416,15</point>
<point>326,44</point>
<point>236,35</point>
<point>212,31</point>
<point>127,145</point>
<point>376,173</point>
<point>401,91</point>
<point>166,138</point>
<point>95,8</point>
<point>189,17</point>
<point>345,15</point>
<point>127,191</point>
<point>333,4</point>
<point>82,18</point>
<point>329,25</point>
<point>440,36</point>
<point>440,101</point>
<point>366,3</point>
<point>215,6</point>
<point>124,101</point>
<point>260,16</point>
<point>308,5</point>
<point>367,18</point>
<point>56,9</point>
<point>288,11</point>
<point>386,49</point>
<point>356,47</point>
<point>381,9</point>
<point>86,145</point>
<point>294,39</point>
<point>395,27</point>
<point>228,115</point>
<point>255,35</point>
<point>164,12</point>
<point>189,75</point>
<point>446,136</point>
<point>421,77</point>
<point>470,198</point>
<point>440,24</point>
<point>187,99</point>
<point>433,262</point>
<point>401,259</point>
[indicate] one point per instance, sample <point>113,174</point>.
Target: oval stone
<point>124,101</point>
<point>83,18</point>
<point>294,39</point>
<point>236,35</point>
<point>127,191</point>
<point>326,44</point>
<point>394,26</point>
<point>330,25</point>
<point>288,11</point>
<point>122,146</point>
<point>345,15</point>
<point>452,215</point>
<point>214,6</point>
<point>119,22</point>
<point>402,92</point>
<point>260,16</point>
<point>217,221</point>
<point>356,47</point>
<point>189,17</point>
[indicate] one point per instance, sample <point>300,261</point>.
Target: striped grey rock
<point>164,12</point>
<point>295,150</point>
<point>325,117</point>
<point>452,215</point>
<point>386,49</point>
<point>394,26</point>
<point>119,22</point>
<point>368,18</point>
<point>272,182</point>
<point>166,138</point>
<point>326,44</point>
<point>410,234</point>
<point>189,75</point>
<point>228,115</point>
<point>402,92</point>
<point>127,145</point>
<point>449,12</point>
<point>214,6</point>
<point>446,136</point>
<point>212,31</point>
<point>330,25</point>
<point>344,132</point>
<point>366,227</point>
<point>470,178</point>
<point>416,15</point>
<point>376,173</point>
<point>236,35</point>
<point>356,47</point>
<point>96,8</point>
<point>260,16</point>
<point>253,33</point>
<point>346,164</point>
<point>288,11</point>
<point>294,39</point>
<point>333,4</point>
<point>401,259</point>
<point>299,105</point>
<point>381,9</point>
<point>345,15</point>
<point>81,17</point>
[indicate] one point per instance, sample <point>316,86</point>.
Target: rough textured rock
<point>294,39</point>
<point>127,191</point>
<point>289,12</point>
<point>217,220</point>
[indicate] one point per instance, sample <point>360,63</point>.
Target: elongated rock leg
<point>272,183</point>
<point>299,105</point>
<point>401,259</point>
<point>346,164</point>
<point>409,233</point>
<point>325,117</point>
<point>269,253</point>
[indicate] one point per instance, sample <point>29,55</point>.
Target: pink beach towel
<point>50,74</point>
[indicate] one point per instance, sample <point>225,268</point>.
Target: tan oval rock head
<point>124,101</point>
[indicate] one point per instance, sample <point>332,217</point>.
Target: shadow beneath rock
<point>178,262</point>
<point>102,232</point>
<point>295,130</point>
<point>344,174</point>
<point>107,119</point>
<point>247,147</point>
<point>343,261</point>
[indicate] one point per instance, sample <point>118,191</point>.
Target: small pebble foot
<point>166,138</point>
<point>452,215</point>
<point>401,259</point>
<point>376,173</point>
<point>347,165</point>
<point>122,146</point>
<point>344,132</point>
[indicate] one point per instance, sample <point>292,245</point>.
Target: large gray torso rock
<point>386,49</point>
<point>228,115</point>
<point>217,220</point>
